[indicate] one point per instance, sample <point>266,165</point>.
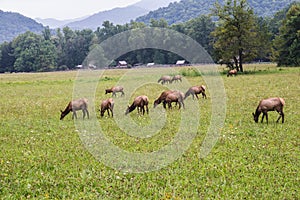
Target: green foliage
<point>236,33</point>
<point>185,10</point>
<point>287,43</point>
<point>33,53</point>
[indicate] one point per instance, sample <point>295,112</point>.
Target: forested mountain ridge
<point>188,9</point>
<point>13,24</point>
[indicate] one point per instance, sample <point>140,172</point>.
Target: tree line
<point>232,34</point>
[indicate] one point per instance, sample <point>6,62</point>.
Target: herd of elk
<point>167,98</point>
<point>168,79</point>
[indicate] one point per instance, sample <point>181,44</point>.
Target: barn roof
<point>180,62</point>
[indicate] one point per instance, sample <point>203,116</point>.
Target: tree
<point>7,58</point>
<point>235,34</point>
<point>287,43</point>
<point>33,53</point>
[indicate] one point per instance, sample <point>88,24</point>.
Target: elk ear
<point>61,111</point>
<point>253,114</point>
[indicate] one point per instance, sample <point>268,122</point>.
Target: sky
<point>61,9</point>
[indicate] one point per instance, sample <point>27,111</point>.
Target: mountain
<point>187,9</point>
<point>153,4</point>
<point>55,23</point>
<point>116,16</point>
<point>119,15</point>
<point>12,24</point>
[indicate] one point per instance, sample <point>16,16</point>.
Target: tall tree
<point>235,34</point>
<point>287,43</point>
<point>33,53</point>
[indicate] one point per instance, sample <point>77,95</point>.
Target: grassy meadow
<point>42,157</point>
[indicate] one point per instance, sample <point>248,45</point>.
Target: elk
<point>165,79</point>
<point>177,97</point>
<point>75,105</point>
<point>162,97</point>
<point>195,90</point>
<point>176,78</point>
<point>107,105</point>
<point>232,72</point>
<point>140,103</point>
<point>270,104</point>
<point>114,90</point>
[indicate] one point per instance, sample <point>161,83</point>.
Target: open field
<point>42,157</point>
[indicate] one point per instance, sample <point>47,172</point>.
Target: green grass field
<point>42,157</point>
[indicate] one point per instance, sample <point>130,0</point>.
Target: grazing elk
<point>162,97</point>
<point>270,104</point>
<point>114,90</point>
<point>175,96</point>
<point>232,72</point>
<point>140,103</point>
<point>107,105</point>
<point>195,90</point>
<point>176,78</point>
<point>73,106</point>
<point>165,79</point>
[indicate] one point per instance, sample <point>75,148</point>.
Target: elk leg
<point>87,113</point>
<point>267,117</point>
<point>281,115</point>
<point>74,115</point>
<point>164,104</point>
<point>147,109</point>
<point>197,96</point>
<point>262,118</point>
<point>83,113</point>
<point>112,113</point>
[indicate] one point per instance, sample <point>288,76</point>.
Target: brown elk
<point>165,79</point>
<point>232,72</point>
<point>195,90</point>
<point>107,105</point>
<point>114,90</point>
<point>270,104</point>
<point>176,78</point>
<point>175,96</point>
<point>75,105</point>
<point>140,103</point>
<point>162,97</point>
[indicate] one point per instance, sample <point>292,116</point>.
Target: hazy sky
<point>61,9</point>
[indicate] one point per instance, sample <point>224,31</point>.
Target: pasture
<point>43,157</point>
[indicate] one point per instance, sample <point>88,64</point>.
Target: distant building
<point>122,64</point>
<point>150,64</point>
<point>180,62</point>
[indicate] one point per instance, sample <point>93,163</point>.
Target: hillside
<point>12,24</point>
<point>119,15</point>
<point>187,9</point>
<point>55,23</point>
<point>116,16</point>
